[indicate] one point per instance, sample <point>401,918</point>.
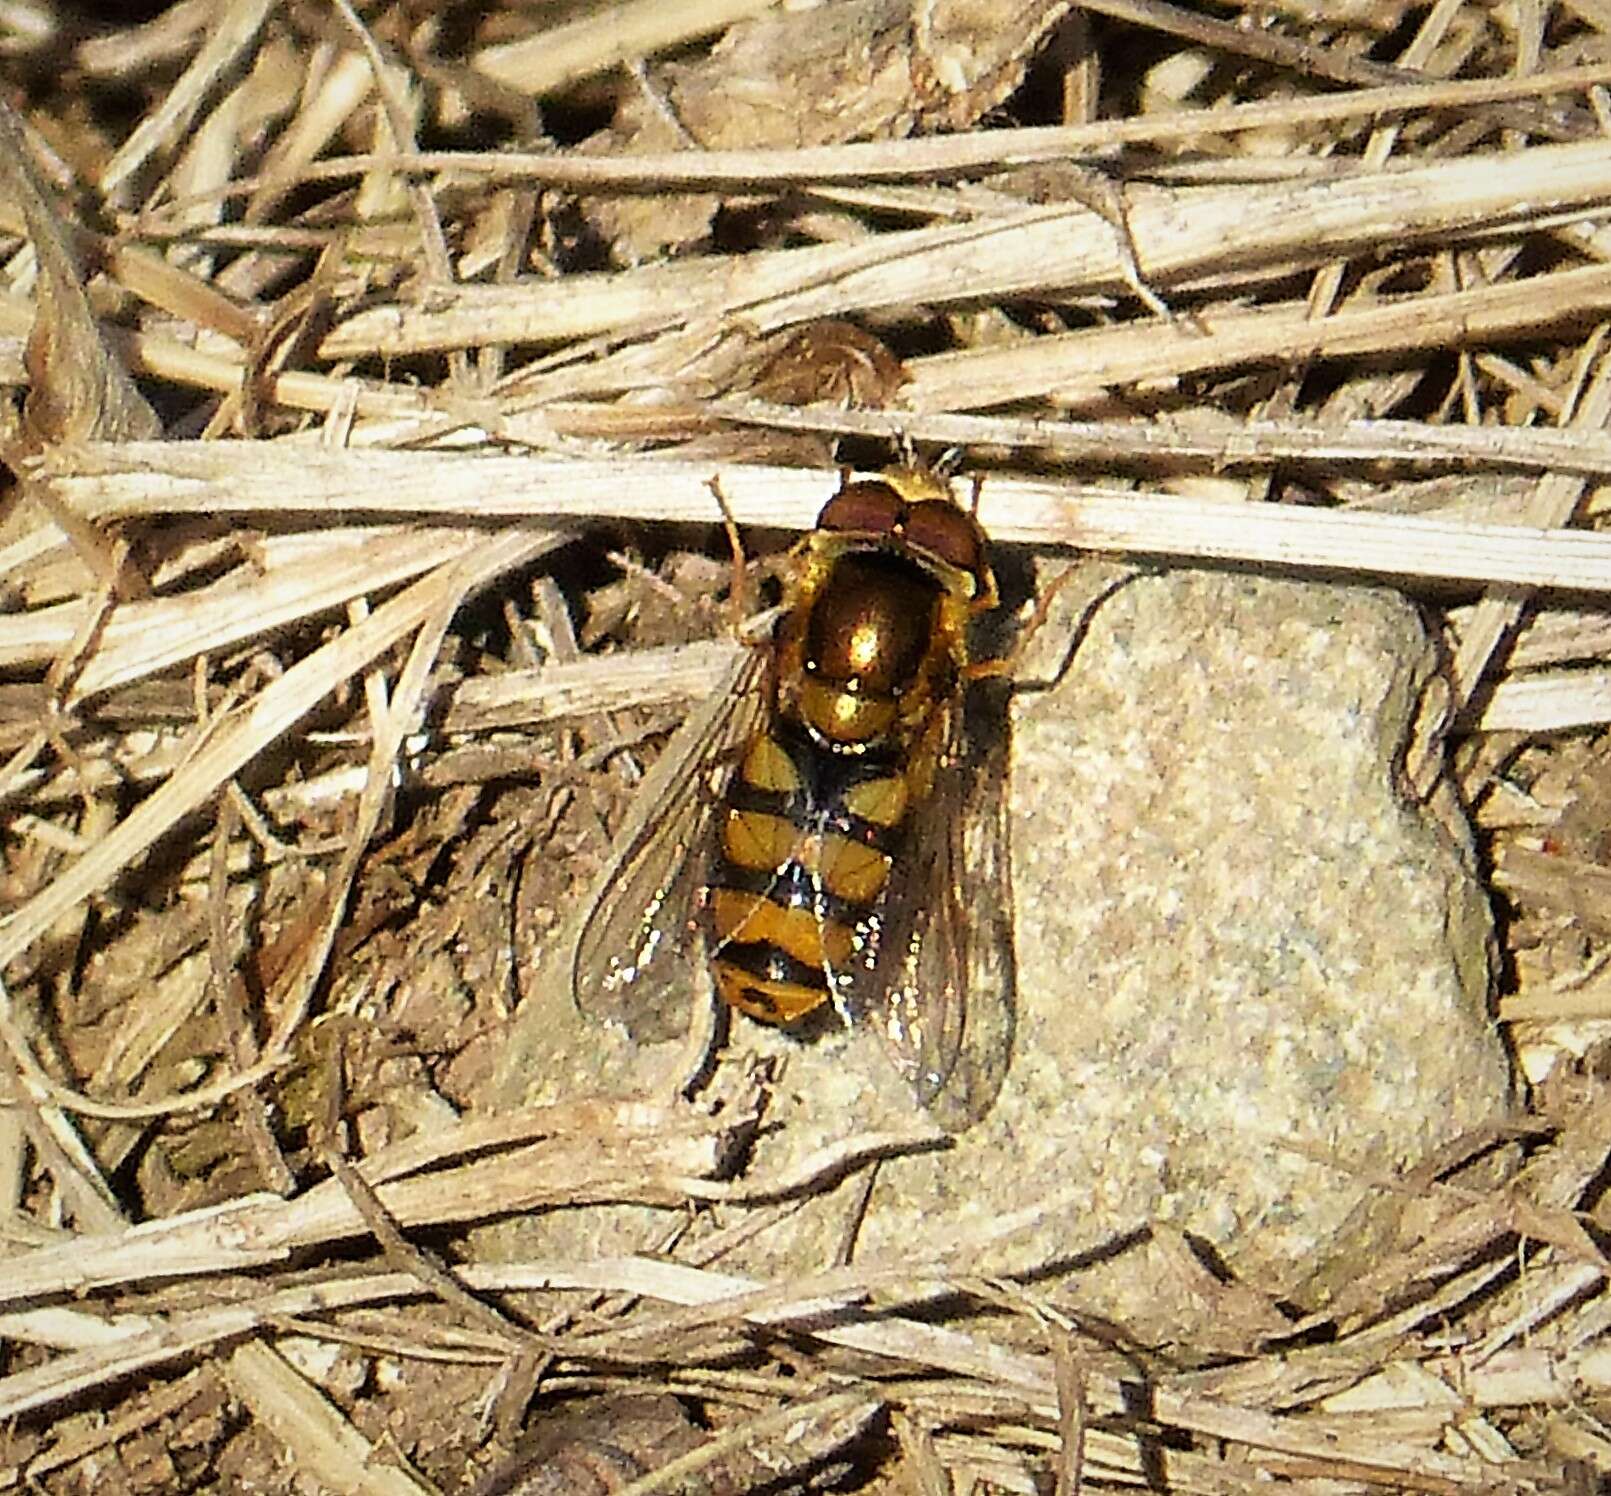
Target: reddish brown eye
<point>863,509</point>
<point>947,534</point>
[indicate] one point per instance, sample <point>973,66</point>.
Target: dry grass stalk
<point>152,482</point>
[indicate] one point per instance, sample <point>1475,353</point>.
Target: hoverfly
<point>829,830</point>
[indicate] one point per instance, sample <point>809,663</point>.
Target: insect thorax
<point>868,651</point>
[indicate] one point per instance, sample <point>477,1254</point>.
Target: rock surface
<point>1252,980</point>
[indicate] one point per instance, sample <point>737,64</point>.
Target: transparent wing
<point>638,939</point>
<point>941,986</point>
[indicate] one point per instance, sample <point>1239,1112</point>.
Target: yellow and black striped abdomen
<point>808,836</point>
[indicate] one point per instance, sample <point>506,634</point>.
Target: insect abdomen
<point>807,840</point>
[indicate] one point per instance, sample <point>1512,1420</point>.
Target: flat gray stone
<point>1252,979</point>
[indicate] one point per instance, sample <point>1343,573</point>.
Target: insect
<point>829,831</point>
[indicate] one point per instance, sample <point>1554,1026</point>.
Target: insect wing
<point>942,983</point>
<point>639,942</point>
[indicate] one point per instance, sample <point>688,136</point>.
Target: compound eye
<point>947,534</point>
<point>863,509</point>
